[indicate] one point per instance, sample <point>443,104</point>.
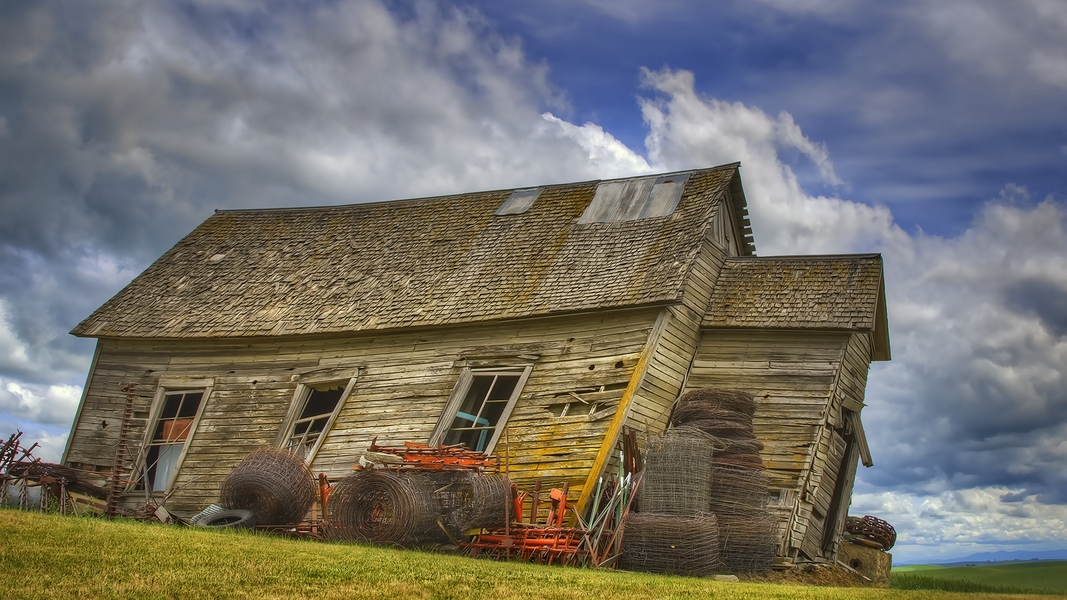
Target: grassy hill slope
<point>64,557</point>
<point>1050,575</point>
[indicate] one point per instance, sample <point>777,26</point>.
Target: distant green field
<point>1026,575</point>
<point>910,568</point>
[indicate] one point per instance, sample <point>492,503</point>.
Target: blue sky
<point>932,132</point>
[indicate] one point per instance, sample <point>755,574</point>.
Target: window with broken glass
<point>479,408</point>
<point>315,406</point>
<point>170,435</point>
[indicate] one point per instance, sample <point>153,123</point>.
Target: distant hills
<point>1005,556</point>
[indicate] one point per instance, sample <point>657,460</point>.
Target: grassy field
<point>1047,575</point>
<point>48,556</point>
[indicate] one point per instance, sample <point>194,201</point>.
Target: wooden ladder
<point>118,482</point>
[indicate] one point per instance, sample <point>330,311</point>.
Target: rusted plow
<point>542,544</point>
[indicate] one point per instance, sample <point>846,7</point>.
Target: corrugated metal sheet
<point>632,199</point>
<point>519,202</point>
<point>664,195</point>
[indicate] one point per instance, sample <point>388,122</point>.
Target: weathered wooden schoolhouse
<point>532,323</point>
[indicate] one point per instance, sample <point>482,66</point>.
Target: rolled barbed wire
<point>722,429</point>
<point>682,545</point>
<point>730,446</point>
<point>718,399</point>
<point>677,476</point>
<point>687,412</point>
<point>275,484</point>
<point>384,507</point>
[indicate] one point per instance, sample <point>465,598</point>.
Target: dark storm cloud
<point>977,393</point>
<point>124,124</point>
<point>1045,299</point>
<point>907,96</point>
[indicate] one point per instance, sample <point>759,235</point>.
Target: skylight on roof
<point>519,202</point>
<point>632,199</point>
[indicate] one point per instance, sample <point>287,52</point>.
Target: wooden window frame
<point>300,398</point>
<point>169,386</point>
<point>459,393</point>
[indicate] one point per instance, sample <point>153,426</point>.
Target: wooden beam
<point>611,436</point>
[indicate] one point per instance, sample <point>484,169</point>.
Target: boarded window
<point>632,199</point>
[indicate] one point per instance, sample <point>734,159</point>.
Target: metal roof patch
<point>632,199</point>
<point>519,202</point>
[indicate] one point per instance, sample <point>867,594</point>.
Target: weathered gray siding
<point>792,374</point>
<point>404,381</point>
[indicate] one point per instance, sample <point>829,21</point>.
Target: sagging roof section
<point>430,261</point>
<point>803,292</point>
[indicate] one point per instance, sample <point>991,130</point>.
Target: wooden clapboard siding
<point>403,383</point>
<point>669,364</point>
<point>792,374</point>
<point>834,464</point>
<point>669,355</point>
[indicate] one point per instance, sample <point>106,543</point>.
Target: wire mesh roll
<point>680,545</point>
<point>748,541</point>
<point>677,476</point>
<point>722,429</point>
<point>479,500</point>
<point>737,489</point>
<point>748,533</point>
<point>383,507</point>
<point>713,398</point>
<point>275,484</point>
<point>687,412</point>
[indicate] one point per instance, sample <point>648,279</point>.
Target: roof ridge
<point>458,194</point>
<point>806,256</point>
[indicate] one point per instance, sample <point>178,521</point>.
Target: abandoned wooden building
<point>531,323</point>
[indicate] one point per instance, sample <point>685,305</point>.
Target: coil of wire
<point>670,544</point>
<point>383,507</point>
<point>275,484</point>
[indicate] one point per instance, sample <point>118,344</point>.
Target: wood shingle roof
<point>802,292</point>
<point>430,261</point>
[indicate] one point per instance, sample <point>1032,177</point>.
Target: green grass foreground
<point>49,556</point>
<point>1035,577</point>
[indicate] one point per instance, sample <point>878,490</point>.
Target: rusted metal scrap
<point>423,457</point>
<point>880,534</point>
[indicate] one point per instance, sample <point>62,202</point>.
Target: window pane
<point>190,404</point>
<point>505,384</point>
<point>166,466</point>
<point>318,425</point>
<point>476,394</point>
<point>478,416</point>
<point>321,402</point>
<point>171,402</point>
<point>492,411</point>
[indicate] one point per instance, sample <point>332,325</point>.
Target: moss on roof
<point>431,261</point>
<point>823,292</point>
